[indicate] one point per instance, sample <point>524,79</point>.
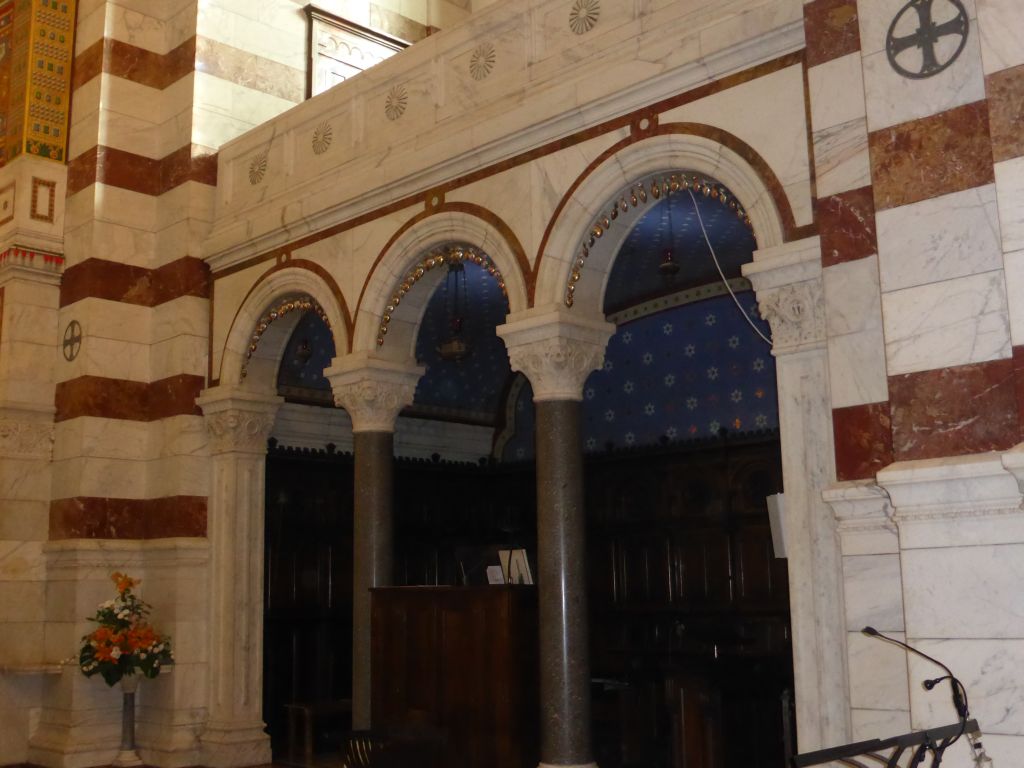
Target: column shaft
<point>372,553</point>
<point>561,542</point>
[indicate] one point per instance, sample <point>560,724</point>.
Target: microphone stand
<point>917,745</point>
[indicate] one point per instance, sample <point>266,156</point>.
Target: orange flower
<point>123,582</point>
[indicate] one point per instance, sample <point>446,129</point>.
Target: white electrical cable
<point>721,273</point>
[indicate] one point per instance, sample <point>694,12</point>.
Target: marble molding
<point>931,156</point>
<point>831,29</point>
<point>372,390</point>
<point>556,349</point>
<point>846,222</point>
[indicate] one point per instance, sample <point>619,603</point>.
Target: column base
<point>234,746</point>
<point>564,765</point>
<point>127,758</point>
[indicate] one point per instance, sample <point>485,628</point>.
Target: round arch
<point>451,223</point>
<point>671,150</point>
<point>259,371</point>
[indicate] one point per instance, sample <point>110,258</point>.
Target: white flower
<point>627,337</point>
<point>734,341</point>
<point>736,395</point>
<point>713,427</point>
<point>609,415</point>
<point>691,403</point>
<point>671,433</point>
<point>712,373</point>
<point>761,420</point>
<point>115,652</point>
<point>589,394</point>
<point>630,438</point>
<point>689,350</point>
<point>649,409</point>
<point>670,379</point>
<point>759,364</point>
<point>608,365</point>
<point>591,443</point>
<point>648,358</point>
<point>710,319</point>
<point>667,329</point>
<point>627,387</point>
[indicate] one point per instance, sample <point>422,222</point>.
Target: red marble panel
<point>87,517</point>
<point>954,411</point>
<point>88,64</point>
<point>1018,372</point>
<point>1005,91</point>
<point>933,156</point>
<point>82,171</point>
<point>189,163</point>
<point>847,225</point>
<point>131,62</point>
<point>145,175</point>
<point>128,400</point>
<point>863,437</point>
<point>98,278</point>
<point>831,30</point>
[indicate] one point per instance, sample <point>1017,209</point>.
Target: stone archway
<point>786,277</point>
<point>240,414</point>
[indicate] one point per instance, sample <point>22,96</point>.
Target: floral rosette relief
<point>124,643</point>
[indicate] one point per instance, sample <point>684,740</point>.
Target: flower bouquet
<point>124,643</point>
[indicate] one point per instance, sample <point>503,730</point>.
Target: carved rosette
<point>796,313</point>
<point>20,439</point>
<point>374,404</point>
<point>236,430</point>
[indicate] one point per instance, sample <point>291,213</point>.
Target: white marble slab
<point>992,671</point>
<point>878,673</point>
<point>836,92</point>
<point>879,723</point>
<point>893,98</point>
<point>1010,193</point>
<point>1000,22</point>
<point>873,592</point>
<point>955,322</point>
<point>966,592</point>
<point>937,239</point>
<point>852,299</point>
<point>841,160</point>
<point>1013,267</point>
<point>856,365</point>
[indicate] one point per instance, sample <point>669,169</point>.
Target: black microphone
<point>959,693</point>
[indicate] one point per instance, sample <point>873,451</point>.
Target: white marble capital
<point>239,421</point>
<point>372,390</point>
<point>787,281</point>
<point>556,349</point>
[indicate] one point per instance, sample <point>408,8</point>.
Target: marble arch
<point>465,225</point>
<point>274,285</point>
<point>590,197</point>
<point>786,276</point>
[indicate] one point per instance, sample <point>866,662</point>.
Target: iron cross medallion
<point>940,36</point>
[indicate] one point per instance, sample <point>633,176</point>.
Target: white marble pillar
<point>557,350</point>
<point>373,392</point>
<point>239,423</point>
<point>787,280</point>
<point>873,596</point>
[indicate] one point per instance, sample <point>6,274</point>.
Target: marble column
<point>787,281</point>
<point>239,423</point>
<point>373,392</point>
<point>557,351</point>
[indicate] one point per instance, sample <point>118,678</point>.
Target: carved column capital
<point>787,281</point>
<point>556,350</point>
<point>373,391</point>
<point>238,421</point>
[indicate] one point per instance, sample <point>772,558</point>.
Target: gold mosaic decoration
<point>41,47</point>
<point>636,196</point>
<point>440,257</point>
<point>301,303</point>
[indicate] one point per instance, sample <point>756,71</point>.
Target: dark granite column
<point>557,351</point>
<point>373,392</point>
<point>561,545</point>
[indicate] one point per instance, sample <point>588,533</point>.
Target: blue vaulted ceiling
<point>683,364</point>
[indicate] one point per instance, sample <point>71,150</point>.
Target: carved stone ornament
<point>236,430</point>
<point>557,367</point>
<point>25,439</point>
<point>374,404</point>
<point>796,314</point>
